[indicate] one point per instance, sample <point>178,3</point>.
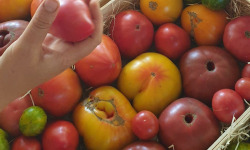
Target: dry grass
<point>238,8</point>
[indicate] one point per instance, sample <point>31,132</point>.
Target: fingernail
<point>51,5</point>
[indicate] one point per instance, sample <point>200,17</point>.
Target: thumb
<point>40,23</point>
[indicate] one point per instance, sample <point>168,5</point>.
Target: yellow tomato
<point>104,119</point>
<point>14,9</point>
<point>161,11</point>
<point>151,81</point>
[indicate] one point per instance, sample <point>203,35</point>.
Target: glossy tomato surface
<point>236,38</point>
<point>188,124</point>
<point>245,72</point>
<point>145,125</point>
<point>161,11</point>
<point>203,24</point>
<point>60,135</point>
<point>73,22</point>
<point>26,143</point>
<point>144,145</point>
<point>59,95</point>
<point>102,66</point>
<point>132,32</point>
<point>242,86</point>
<point>226,104</point>
<point>171,40</point>
<point>103,119</point>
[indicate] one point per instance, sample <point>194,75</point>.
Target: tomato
<point>14,10</point>
<point>171,40</point>
<point>59,95</point>
<point>242,86</point>
<point>188,124</point>
<point>3,133</point>
<point>187,2</point>
<point>236,38</point>
<point>4,144</point>
<point>245,72</point>
<point>73,22</point>
<point>60,135</point>
<point>102,66</point>
<point>10,115</point>
<point>151,81</point>
<point>203,24</point>
<point>145,125</point>
<point>226,104</point>
<point>161,11</point>
<point>144,145</point>
<point>26,143</point>
<point>132,32</point>
<point>103,119</point>
<point>32,121</point>
<point>215,4</point>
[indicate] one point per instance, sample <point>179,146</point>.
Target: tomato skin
<point>161,11</point>
<point>135,29</point>
<point>227,103</point>
<point>245,72</point>
<point>59,95</point>
<point>171,40</point>
<point>26,143</point>
<point>236,38</point>
<point>204,25</point>
<point>144,145</point>
<point>102,66</point>
<point>145,125</point>
<point>242,86</point>
<point>73,22</point>
<point>60,135</point>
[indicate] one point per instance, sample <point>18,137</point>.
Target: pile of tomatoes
<point>166,75</point>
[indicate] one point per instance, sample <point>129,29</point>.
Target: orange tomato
<point>34,5</point>
<point>104,119</point>
<point>204,25</point>
<point>161,11</point>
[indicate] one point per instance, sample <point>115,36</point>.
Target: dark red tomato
<point>242,87</point>
<point>26,143</point>
<point>59,95</point>
<point>145,125</point>
<point>236,38</point>
<point>226,104</point>
<point>60,135</point>
<point>102,66</point>
<point>172,41</point>
<point>73,22</point>
<point>144,145</point>
<point>246,71</point>
<point>10,115</point>
<point>132,32</point>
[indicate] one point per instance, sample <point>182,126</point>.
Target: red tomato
<point>102,66</point>
<point>10,115</point>
<point>246,71</point>
<point>59,95</point>
<point>132,32</point>
<point>242,87</point>
<point>60,135</point>
<point>144,145</point>
<point>236,38</point>
<point>145,125</point>
<point>171,40</point>
<point>227,103</point>
<point>26,143</point>
<point>73,22</point>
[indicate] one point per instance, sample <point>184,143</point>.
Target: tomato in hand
<point>242,86</point>
<point>171,40</point>
<point>226,104</point>
<point>132,32</point>
<point>73,22</point>
<point>145,125</point>
<point>26,143</point>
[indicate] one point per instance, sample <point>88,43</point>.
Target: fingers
<point>40,22</point>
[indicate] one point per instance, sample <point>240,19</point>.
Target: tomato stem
<point>247,34</point>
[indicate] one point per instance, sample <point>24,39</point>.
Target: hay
<point>237,8</point>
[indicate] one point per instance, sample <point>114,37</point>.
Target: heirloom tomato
<point>26,143</point>
<point>245,72</point>
<point>203,24</point>
<point>161,11</point>
<point>102,65</point>
<point>103,119</point>
<point>73,22</point>
<point>151,81</point>
<point>144,145</point>
<point>59,95</point>
<point>242,86</point>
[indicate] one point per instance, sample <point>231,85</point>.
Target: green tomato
<point>215,4</point>
<point>242,146</point>
<point>4,144</point>
<point>32,121</point>
<point>3,133</point>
